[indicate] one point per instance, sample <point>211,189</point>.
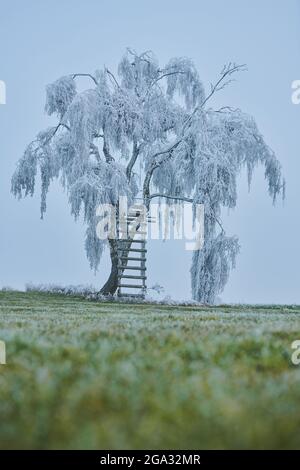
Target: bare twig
<point>226,72</point>
<point>113,78</point>
<point>140,57</point>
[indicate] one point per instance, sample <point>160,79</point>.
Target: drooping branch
<point>60,124</point>
<point>93,148</point>
<point>50,137</point>
<point>75,75</point>
<point>164,75</point>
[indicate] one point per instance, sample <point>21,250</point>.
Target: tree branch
<point>156,164</point>
<point>141,56</point>
<point>131,163</point>
<point>95,151</point>
<point>108,157</point>
<point>227,71</point>
<point>75,75</point>
<point>167,74</point>
<point>219,85</point>
<point>93,147</point>
<point>113,78</point>
<point>98,136</point>
<point>55,129</point>
<point>179,198</point>
<point>226,109</point>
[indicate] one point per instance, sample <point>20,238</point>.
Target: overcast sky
<point>40,41</point>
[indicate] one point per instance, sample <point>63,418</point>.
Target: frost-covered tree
<point>157,119</point>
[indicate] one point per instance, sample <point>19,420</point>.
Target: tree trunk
<point>111,284</point>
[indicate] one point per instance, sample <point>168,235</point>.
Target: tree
<point>159,118</point>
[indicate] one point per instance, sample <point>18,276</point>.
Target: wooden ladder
<point>132,277</point>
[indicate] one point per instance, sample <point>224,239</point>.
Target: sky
<point>41,41</point>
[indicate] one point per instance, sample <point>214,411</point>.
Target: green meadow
<point>88,375</point>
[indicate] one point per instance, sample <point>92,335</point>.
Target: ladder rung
<point>132,241</point>
<point>136,233</point>
<point>136,250</point>
<point>128,276</point>
<point>131,218</point>
<point>132,267</point>
<point>140,296</point>
<point>131,232</point>
<point>135,230</point>
<point>132,286</point>
<point>136,221</point>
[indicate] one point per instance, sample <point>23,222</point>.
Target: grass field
<point>81,374</point>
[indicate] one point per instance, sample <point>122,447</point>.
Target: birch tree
<point>158,119</point>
